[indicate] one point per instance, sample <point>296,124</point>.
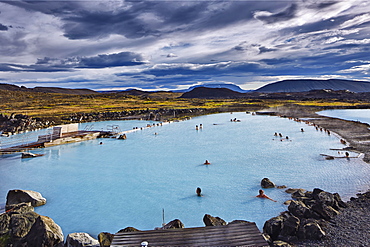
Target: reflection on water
<point>94,188</point>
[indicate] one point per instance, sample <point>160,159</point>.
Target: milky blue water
<point>94,188</point>
<point>361,115</point>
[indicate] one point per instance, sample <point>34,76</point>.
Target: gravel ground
<point>351,228</point>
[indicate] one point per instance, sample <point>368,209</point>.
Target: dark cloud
<point>3,28</point>
<point>100,24</point>
<point>167,17</point>
<point>284,15</point>
<point>48,64</point>
<point>322,5</point>
<point>112,60</point>
<point>265,49</point>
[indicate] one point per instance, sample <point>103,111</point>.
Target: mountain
<point>230,86</point>
<point>308,85</point>
<point>209,93</point>
<point>10,87</point>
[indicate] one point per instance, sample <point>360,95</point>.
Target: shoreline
<point>356,134</point>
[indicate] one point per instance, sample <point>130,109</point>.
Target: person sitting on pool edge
<point>262,195</point>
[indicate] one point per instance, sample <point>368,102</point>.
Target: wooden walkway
<point>243,234</point>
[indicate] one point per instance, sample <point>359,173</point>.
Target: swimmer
<point>101,143</point>
<point>207,162</point>
<point>199,191</point>
<point>302,130</point>
<point>262,195</point>
<point>347,154</point>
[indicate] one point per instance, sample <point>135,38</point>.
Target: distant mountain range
<point>287,86</point>
<point>10,87</point>
<point>222,90</point>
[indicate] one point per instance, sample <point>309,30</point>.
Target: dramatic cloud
<point>152,44</point>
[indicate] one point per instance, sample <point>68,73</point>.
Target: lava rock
<point>213,221</point>
<point>19,196</point>
<point>267,183</point>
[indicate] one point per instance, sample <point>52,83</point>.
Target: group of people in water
<point>261,194</point>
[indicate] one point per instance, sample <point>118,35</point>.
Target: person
<point>262,195</point>
<point>207,162</point>
<point>347,154</point>
<point>199,191</point>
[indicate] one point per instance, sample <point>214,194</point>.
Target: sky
<point>172,45</point>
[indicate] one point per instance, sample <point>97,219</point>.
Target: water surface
<point>94,188</point>
<point>361,115</point>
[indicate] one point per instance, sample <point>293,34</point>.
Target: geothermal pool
<point>94,188</point>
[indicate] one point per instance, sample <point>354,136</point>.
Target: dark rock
<point>325,212</point>
<point>213,221</point>
<point>273,226</point>
<point>267,183</point>
<point>311,231</point>
<point>176,223</point>
<point>4,224</point>
<point>281,186</point>
<point>21,226</point>
<point>290,225</point>
<point>325,198</point>
<point>291,190</point>
<point>129,229</point>
<point>19,208</point>
<point>19,196</point>
<point>279,243</point>
<point>339,200</point>
<point>105,239</point>
<point>299,209</point>
<point>80,239</point>
<point>298,194</point>
<point>44,232</point>
<point>239,222</point>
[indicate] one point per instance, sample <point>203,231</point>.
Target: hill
<point>308,85</point>
<point>10,87</point>
<point>219,85</point>
<point>212,93</point>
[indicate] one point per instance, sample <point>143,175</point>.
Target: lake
<point>94,188</point>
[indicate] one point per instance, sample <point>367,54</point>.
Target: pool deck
<point>70,137</point>
<point>242,234</point>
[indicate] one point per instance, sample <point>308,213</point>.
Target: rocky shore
<point>349,228</point>
<point>18,123</point>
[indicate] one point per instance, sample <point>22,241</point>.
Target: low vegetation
<point>53,106</point>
